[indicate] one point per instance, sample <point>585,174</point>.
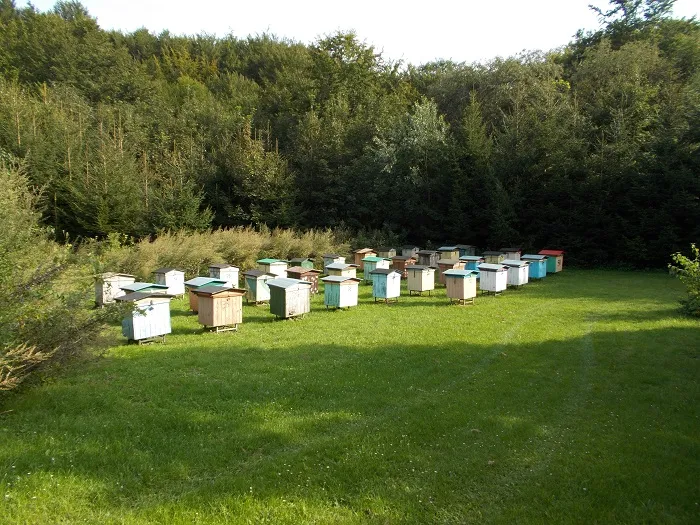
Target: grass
<point>574,399</point>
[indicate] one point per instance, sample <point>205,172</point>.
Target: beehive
<point>289,297</point>
<point>276,267</point>
<point>256,287</point>
<point>466,250</point>
<point>472,262</point>
<point>493,257</point>
<point>448,252</point>
<point>173,278</point>
<point>420,279</point>
<point>304,262</point>
<point>409,250</point>
<point>400,262</point>
<point>150,320</point>
<point>493,278</point>
<point>448,264</point>
<point>340,292</point>
<point>537,268</point>
<point>305,274</point>
<point>144,287</point>
<point>386,284</point>
<point>511,254</point>
<point>226,272</point>
<point>386,251</point>
<point>461,285</point>
<point>198,282</point>
<point>361,254</point>
<point>555,260</point>
<point>220,307</point>
<point>108,287</point>
<point>427,258</point>
<point>373,263</point>
<point>517,272</point>
<point>330,258</point>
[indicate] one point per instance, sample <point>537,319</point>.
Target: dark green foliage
<point>593,148</point>
<point>688,269</point>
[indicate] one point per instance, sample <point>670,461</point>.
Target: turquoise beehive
<point>538,265</point>
<point>386,284</point>
<point>340,292</point>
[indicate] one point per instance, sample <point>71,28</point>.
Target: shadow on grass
<point>406,432</point>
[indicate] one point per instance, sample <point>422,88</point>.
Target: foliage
<point>688,270</point>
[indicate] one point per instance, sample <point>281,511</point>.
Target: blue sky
<point>414,32</point>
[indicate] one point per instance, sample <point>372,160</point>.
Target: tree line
<point>592,148</point>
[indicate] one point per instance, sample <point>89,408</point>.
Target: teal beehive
<point>150,319</point>
<point>340,292</point>
<point>373,263</point>
<point>538,265</point>
<point>386,284</point>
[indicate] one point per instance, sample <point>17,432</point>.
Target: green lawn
<point>574,399</point>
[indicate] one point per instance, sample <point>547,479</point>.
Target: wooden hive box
<point>448,264</point>
<point>427,258</point>
<point>330,258</point>
<point>493,278</point>
<point>342,269</point>
<point>289,297</point>
<point>173,278</point>
<point>461,285</point>
<point>340,292</point>
<point>409,250</point>
<point>361,254</point>
<point>226,272</point>
<point>537,268</point>
<point>256,287</point>
<point>276,267</point>
<point>511,254</point>
<point>466,250</point>
<point>400,262</point>
<point>517,271</point>
<point>493,257</point>
<point>144,287</point>
<point>386,251</point>
<point>372,263</point>
<point>108,286</point>
<point>448,253</point>
<point>220,307</point>
<point>150,321</point>
<point>304,262</point>
<point>420,279</point>
<point>305,274</point>
<point>555,260</point>
<point>472,262</point>
<point>198,282</point>
<point>386,284</point>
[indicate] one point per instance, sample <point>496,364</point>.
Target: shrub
<point>688,270</point>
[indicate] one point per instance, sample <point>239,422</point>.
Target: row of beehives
<point>218,301</point>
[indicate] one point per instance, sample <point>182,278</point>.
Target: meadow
<point>572,400</point>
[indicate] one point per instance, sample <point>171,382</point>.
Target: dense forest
<point>593,147</point>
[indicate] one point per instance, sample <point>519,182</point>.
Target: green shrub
<point>688,270</point>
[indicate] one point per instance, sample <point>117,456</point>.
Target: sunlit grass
<point>574,399</point>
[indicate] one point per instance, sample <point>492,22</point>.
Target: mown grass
<point>574,399</point>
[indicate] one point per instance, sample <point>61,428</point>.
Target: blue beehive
<point>340,292</point>
<point>472,262</point>
<point>538,265</point>
<point>386,284</point>
<point>150,320</point>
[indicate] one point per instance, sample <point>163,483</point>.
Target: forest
<point>592,148</point>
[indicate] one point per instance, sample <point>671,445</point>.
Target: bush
<point>689,272</point>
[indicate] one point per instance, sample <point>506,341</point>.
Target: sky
<point>414,32</point>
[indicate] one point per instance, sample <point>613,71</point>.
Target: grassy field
<point>575,399</point>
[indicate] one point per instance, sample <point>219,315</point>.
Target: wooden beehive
<point>342,269</point>
<point>409,250</point>
<point>361,254</point>
<point>493,278</point>
<point>150,320</point>
<point>256,287</point>
<point>173,278</point>
<point>448,264</point>
<point>538,265</point>
<point>108,286</point>
<point>493,257</point>
<point>226,272</point>
<point>427,258</point>
<point>555,260</point>
<point>198,282</point>
<point>220,307</point>
<point>420,279</point>
<point>517,271</point>
<point>340,292</point>
<point>305,274</point>
<point>461,285</point>
<point>330,258</point>
<point>386,284</point>
<point>372,263</point>
<point>386,251</point>
<point>144,287</point>
<point>448,253</point>
<point>400,262</point>
<point>276,267</point>
<point>304,262</point>
<point>466,250</point>
<point>289,297</point>
<point>511,254</point>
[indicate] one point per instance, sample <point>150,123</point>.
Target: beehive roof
<point>300,270</point>
<point>371,258</point>
<point>530,257</point>
<point>462,274</point>
<point>286,282</point>
<point>426,252</point>
<point>257,273</point>
<point>138,286</point>
<point>448,261</point>
<point>364,250</point>
<point>341,266</point>
<point>222,266</point>
<point>446,248</point>
<point>471,258</point>
<point>270,261</point>
<point>513,262</point>
<point>492,267</point>
<point>212,290</point>
<point>555,253</point>
<point>493,253</point>
<point>203,281</point>
<point>383,271</point>
<point>510,249</point>
<point>339,279</point>
<point>402,257</point>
